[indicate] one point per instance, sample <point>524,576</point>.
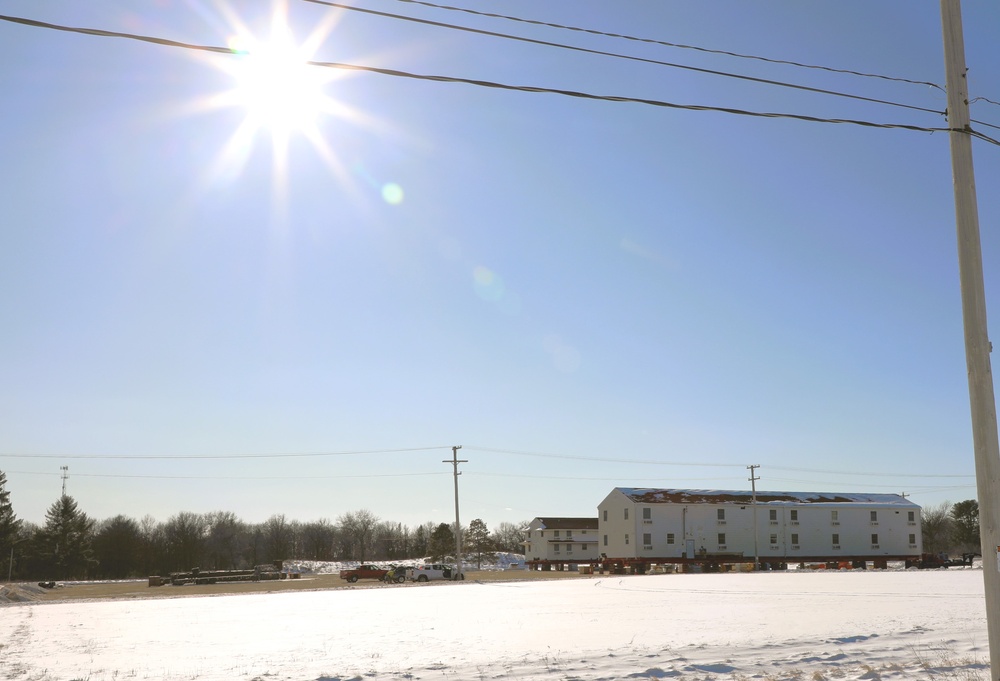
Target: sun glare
<point>275,85</point>
<point>280,95</point>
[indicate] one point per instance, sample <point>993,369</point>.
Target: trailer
<point>260,573</point>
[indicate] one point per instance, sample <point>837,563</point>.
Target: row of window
<point>793,515</point>
<point>569,548</point>
<point>555,533</point>
<point>647,539</point>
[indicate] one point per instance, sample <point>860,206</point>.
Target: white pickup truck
<point>426,573</point>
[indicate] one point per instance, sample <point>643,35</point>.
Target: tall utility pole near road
<point>753,488</point>
<point>977,344</point>
<point>458,525</point>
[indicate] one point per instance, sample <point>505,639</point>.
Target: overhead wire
<point>664,43</point>
<point>504,86</point>
<point>697,69</point>
<point>238,477</point>
<point>178,457</point>
<point>662,63</point>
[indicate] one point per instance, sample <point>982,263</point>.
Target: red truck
<point>363,572</point>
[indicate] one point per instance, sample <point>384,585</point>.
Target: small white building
<point>676,525</point>
<point>561,541</point>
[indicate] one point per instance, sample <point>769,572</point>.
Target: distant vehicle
<point>396,575</point>
<point>929,561</point>
<point>427,573</point>
<point>363,572</point>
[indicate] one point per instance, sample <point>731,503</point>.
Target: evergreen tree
<point>965,515</point>
<point>442,542</point>
<point>118,546</point>
<point>9,524</point>
<point>478,541</point>
<point>63,545</point>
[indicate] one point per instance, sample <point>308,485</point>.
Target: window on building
<point>670,537</point>
<point>836,539</point>
<point>605,540</point>
<point>557,547</point>
<point>911,516</point>
<point>556,534</point>
<point>795,538</point>
<point>913,539</point>
<point>720,514</point>
<point>647,513</point>
<point>874,516</point>
<point>626,540</point>
<point>774,539</point>
<point>605,515</point>
<point>773,514</point>
<point>834,516</point>
<point>569,548</point>
<point>541,533</point>
<point>647,538</point>
<point>874,539</point>
<point>722,539</point>
<point>583,547</point>
<point>793,515</point>
<point>626,513</point>
<point>569,534</point>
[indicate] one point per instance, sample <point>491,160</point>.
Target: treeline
<point>70,545</point>
<point>949,528</point>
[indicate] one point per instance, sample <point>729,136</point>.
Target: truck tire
<point>422,578</point>
<point>400,579</point>
<point>352,578</point>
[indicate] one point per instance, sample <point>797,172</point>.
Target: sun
<point>275,84</point>
<point>280,95</point>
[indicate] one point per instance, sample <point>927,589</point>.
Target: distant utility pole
<point>977,344</point>
<point>753,487</point>
<point>65,477</point>
<point>454,461</point>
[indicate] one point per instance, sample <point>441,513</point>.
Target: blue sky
<point>583,294</point>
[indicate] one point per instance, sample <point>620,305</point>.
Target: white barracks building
<point>656,526</point>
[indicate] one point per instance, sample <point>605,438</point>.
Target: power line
<point>237,477</point>
<point>697,69</point>
<point>504,86</point>
<point>874,475</point>
<point>178,457</point>
<point>600,459</point>
<point>677,45</point>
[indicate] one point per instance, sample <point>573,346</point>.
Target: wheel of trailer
<point>400,579</point>
<point>422,578</point>
<point>352,578</point>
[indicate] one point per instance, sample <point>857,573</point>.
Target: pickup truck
<point>426,573</point>
<point>363,572</point>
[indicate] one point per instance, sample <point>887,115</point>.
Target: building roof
<point>705,496</point>
<point>568,523</point>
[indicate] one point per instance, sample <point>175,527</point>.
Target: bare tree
<point>936,527</point>
<point>509,537</point>
<point>359,529</point>
<point>184,535</point>
<point>224,543</point>
<point>278,538</point>
<point>317,540</point>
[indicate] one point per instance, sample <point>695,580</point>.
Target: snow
<point>797,625</point>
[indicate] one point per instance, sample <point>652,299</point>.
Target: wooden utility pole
<point>977,343</point>
<point>458,525</point>
<point>753,487</point>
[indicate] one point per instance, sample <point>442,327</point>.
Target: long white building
<point>676,525</point>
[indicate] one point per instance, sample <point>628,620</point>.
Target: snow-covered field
<point>809,625</point>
